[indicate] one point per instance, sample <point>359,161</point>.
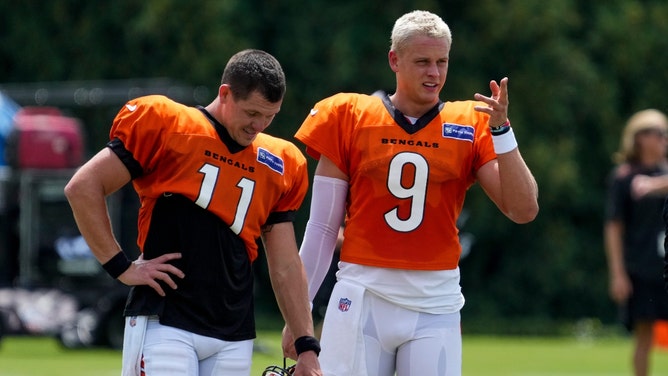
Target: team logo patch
<point>458,132</point>
<point>344,304</point>
<point>272,161</point>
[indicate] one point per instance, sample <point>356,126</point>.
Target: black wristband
<point>501,129</point>
<point>307,343</point>
<point>117,265</point>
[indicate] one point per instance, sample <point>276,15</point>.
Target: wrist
<point>501,129</point>
<point>117,265</point>
<point>504,142</point>
<point>307,343</point>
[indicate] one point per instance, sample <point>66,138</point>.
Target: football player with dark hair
<point>210,183</point>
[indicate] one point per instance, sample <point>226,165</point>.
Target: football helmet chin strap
<point>278,371</point>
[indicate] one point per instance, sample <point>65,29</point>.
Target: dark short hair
<point>255,70</point>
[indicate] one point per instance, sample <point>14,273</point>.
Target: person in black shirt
<point>634,231</point>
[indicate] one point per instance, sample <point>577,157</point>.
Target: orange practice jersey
<point>180,151</point>
<point>407,182</point>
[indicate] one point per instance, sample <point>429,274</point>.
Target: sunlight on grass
<point>483,356</point>
<point>32,356</point>
<point>518,356</point>
<point>39,356</point>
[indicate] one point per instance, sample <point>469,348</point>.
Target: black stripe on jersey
<point>126,157</point>
<point>401,119</point>
<point>279,217</point>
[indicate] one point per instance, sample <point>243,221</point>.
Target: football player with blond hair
<point>397,167</point>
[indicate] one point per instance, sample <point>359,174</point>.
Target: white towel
<point>133,342</point>
<point>342,340</point>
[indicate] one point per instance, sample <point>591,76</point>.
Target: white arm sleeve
<point>328,205</point>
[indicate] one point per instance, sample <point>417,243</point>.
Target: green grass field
<point>483,356</point>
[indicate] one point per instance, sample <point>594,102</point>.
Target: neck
<point>410,108</point>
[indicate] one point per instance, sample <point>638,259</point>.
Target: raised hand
<point>497,103</point>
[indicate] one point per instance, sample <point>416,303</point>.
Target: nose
<point>433,70</point>
<point>259,125</point>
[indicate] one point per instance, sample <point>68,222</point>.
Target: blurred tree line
<point>577,70</point>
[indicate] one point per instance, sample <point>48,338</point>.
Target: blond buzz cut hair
<point>418,23</point>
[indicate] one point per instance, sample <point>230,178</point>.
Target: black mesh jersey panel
<point>215,298</point>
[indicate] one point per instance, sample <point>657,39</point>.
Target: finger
<point>486,109</point>
<point>170,282</point>
<point>165,278</point>
<point>494,87</point>
<point>167,257</point>
<point>503,93</point>
<point>479,97</point>
<point>161,264</point>
<point>171,269</point>
<point>290,353</point>
<point>156,286</point>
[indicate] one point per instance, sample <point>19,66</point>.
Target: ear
<point>393,60</point>
<point>224,92</point>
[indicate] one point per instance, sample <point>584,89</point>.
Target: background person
<point>634,230</point>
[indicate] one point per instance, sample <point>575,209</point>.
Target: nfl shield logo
<point>344,304</point>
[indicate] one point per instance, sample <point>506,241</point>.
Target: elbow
<point>524,215</point>
<point>75,189</point>
<point>72,190</point>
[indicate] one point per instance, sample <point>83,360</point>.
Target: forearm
<point>614,249</point>
<point>92,218</point>
<point>643,185</point>
<point>288,278</point>
<point>86,192</point>
<point>291,293</point>
<point>660,186</point>
<point>322,229</point>
<point>519,190</point>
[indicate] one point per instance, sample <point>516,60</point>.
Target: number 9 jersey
<point>407,180</point>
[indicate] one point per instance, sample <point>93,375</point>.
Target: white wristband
<point>505,142</point>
